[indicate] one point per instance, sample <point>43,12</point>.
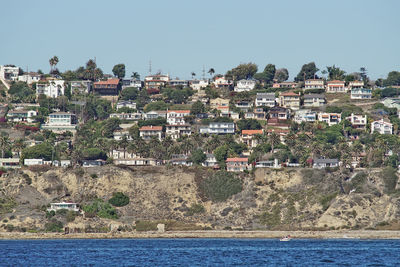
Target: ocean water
<point>199,252</point>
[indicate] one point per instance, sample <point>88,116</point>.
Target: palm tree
<point>55,60</point>
<point>135,75</point>
<point>274,140</point>
<point>193,74</point>
<point>123,143</point>
<point>4,143</point>
<point>211,71</point>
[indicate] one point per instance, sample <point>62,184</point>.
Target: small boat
<point>286,238</point>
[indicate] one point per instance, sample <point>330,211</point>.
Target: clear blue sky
<point>181,36</point>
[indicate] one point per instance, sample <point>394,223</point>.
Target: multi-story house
<point>119,134</point>
<point>210,161</point>
<point>219,102</point>
<point>127,116</point>
<point>198,84</point>
<point>257,114</point>
<point>265,100</point>
<point>325,163</point>
<point>245,85</point>
<point>358,121</point>
<point>382,127</point>
<point>61,122</point>
<point>314,84</point>
<point>314,100</point>
<point>356,84</point>
<point>330,118</point>
<point>361,93</point>
<point>110,87</point>
<point>29,78</point>
<point>336,86</point>
<point>155,114</point>
<point>126,104</point>
<point>218,128</point>
<point>21,115</point>
<point>279,113</point>
<point>131,82</point>
<point>305,115</point>
<point>237,164</point>
<point>221,82</point>
<point>50,88</point>
<point>244,105</point>
<point>177,82</point>
<point>248,137</point>
<point>155,82</point>
<point>177,131</point>
<point>290,100</point>
<point>81,87</point>
<point>226,113</point>
<point>177,117</point>
<point>147,132</point>
<point>9,72</point>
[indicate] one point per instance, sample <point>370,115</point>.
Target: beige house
<point>219,102</point>
<point>290,100</point>
<point>336,86</point>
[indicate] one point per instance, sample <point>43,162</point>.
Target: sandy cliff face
<point>270,199</point>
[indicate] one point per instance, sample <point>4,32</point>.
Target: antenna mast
<point>150,67</point>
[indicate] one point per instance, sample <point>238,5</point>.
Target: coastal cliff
<point>287,199</point>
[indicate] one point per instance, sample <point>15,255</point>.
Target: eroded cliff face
<point>270,199</point>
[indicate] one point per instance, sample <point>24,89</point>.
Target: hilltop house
<point>305,115</point>
<point>314,100</point>
<point>356,84</point>
<point>361,93</point>
<point>358,121</point>
<point>177,131</point>
<point>147,132</point>
<point>218,128</point>
<point>110,87</point>
<point>330,118</point>
<point>9,72</point>
<point>29,78</point>
<point>221,82</point>
<point>177,82</point>
<point>336,86</point>
<point>382,127</point>
<point>81,87</point>
<point>177,117</point>
<point>314,84</point>
<point>237,164</point>
<point>126,104</point>
<point>265,100</point>
<point>248,137</point>
<point>245,85</point>
<point>51,88</point>
<point>61,122</point>
<point>291,85</point>
<point>155,82</point>
<point>198,84</point>
<point>155,114</point>
<point>290,100</point>
<point>21,115</point>
<point>325,163</point>
<point>131,82</point>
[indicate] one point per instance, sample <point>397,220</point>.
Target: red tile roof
<point>335,81</point>
<point>252,131</point>
<point>110,81</point>
<point>179,111</point>
<point>289,94</point>
<point>151,128</point>
<point>236,159</point>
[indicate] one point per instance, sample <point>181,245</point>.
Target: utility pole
<point>150,67</point>
<point>204,73</point>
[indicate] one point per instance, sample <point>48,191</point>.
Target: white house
<point>221,82</point>
<point>131,82</point>
<point>336,86</point>
<point>81,87</point>
<point>32,162</point>
<point>61,122</point>
<point>330,118</point>
<point>325,163</point>
<point>12,163</point>
<point>177,131</point>
<point>265,100</point>
<point>127,116</point>
<point>175,117</point>
<point>126,104</point>
<point>177,82</point>
<point>314,84</point>
<point>358,121</point>
<point>210,161</point>
<point>119,134</point>
<point>245,85</point>
<point>147,132</point>
<point>21,115</point>
<point>361,93</point>
<point>305,115</point>
<point>219,128</point>
<point>51,88</point>
<point>382,127</point>
<point>29,78</point>
<point>198,84</point>
<point>154,114</point>
<point>314,100</point>
<point>9,72</point>
<point>63,206</point>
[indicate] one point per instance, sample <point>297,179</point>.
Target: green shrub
<point>10,227</point>
<point>94,176</point>
<point>325,200</point>
<point>221,186</point>
<point>195,208</point>
<point>62,212</point>
<point>53,226</point>
<point>390,178</point>
<point>119,199</point>
<point>7,204</point>
<point>50,214</point>
<point>146,226</point>
<point>101,209</point>
<point>70,216</point>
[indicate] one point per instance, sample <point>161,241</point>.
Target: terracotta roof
<point>179,111</point>
<point>252,131</point>
<point>151,128</point>
<point>110,81</point>
<point>289,94</point>
<point>236,159</point>
<point>335,81</point>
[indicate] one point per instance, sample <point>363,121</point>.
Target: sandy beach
<point>354,234</point>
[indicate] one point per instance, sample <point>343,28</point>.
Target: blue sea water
<point>199,252</point>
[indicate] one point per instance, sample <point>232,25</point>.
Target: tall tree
<point>211,71</point>
<point>243,71</point>
<point>335,73</point>
<point>274,140</point>
<point>119,70</point>
<point>135,75</point>
<point>307,71</point>
<point>193,74</point>
<point>281,75</point>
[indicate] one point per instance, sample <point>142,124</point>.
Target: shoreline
<point>345,234</point>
